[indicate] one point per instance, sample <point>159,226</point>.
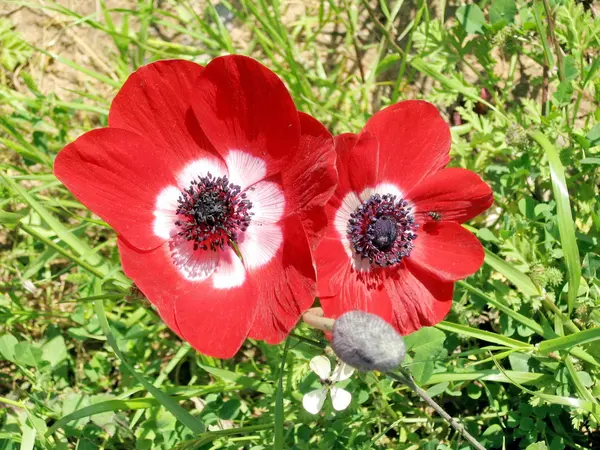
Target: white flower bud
<point>367,342</point>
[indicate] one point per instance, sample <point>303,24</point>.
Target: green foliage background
<point>85,363</point>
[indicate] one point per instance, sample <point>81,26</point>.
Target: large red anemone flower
<point>395,246</point>
<point>215,184</point>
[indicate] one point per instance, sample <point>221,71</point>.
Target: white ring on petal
<point>349,204</point>
<point>230,273</point>
<point>382,189</point>
<point>244,168</point>
<point>259,244</point>
<point>165,212</point>
<point>313,401</point>
<point>268,202</point>
<point>193,265</point>
<point>200,168</point>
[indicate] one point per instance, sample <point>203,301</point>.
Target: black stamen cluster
<point>382,230</point>
<point>213,211</point>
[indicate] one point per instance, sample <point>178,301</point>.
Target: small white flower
<point>341,398</point>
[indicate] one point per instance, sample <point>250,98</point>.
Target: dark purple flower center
<point>382,230</point>
<point>212,211</point>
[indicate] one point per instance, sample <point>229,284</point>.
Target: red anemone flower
<point>395,246</point>
<point>215,184</point>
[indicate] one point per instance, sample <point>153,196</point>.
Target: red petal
<point>285,286</point>
<point>457,194</point>
<point>418,299</point>
<point>447,251</point>
<point>309,180</point>
<point>214,321</point>
<point>118,175</point>
<point>344,143</point>
<point>241,105</point>
<point>332,264</point>
<point>137,265</point>
<point>155,103</point>
<point>362,291</point>
<point>414,142</point>
<point>363,162</point>
<point>357,163</point>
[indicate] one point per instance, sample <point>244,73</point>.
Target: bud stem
<point>314,317</point>
<point>407,380</point>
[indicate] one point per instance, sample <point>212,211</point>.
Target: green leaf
<point>426,344</point>
<point>11,220</point>
<point>7,346</point>
<point>503,11</point>
<point>594,135</point>
<point>564,92</point>
<point>471,18</point>
<point>566,226</point>
<point>27,355</point>
<point>55,351</point>
<point>537,446</point>
<point>514,275</point>
<point>571,71</point>
<point>13,49</point>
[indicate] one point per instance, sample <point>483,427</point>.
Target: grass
<point>85,362</point>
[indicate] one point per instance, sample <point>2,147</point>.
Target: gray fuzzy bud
<point>367,342</point>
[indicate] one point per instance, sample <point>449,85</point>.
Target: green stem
<point>279,439</point>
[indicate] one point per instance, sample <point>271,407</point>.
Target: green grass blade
<point>514,275</point>
<point>27,438</point>
<point>569,341</point>
<point>581,389</point>
<point>489,375</point>
<point>107,406</point>
<point>531,324</point>
<point>245,381</point>
<point>566,226</point>
<point>556,399</point>
<point>170,404</point>
<point>207,438</point>
<point>482,335</point>
<point>64,234</point>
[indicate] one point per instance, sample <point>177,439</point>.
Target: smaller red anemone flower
<point>395,246</point>
<point>215,184</point>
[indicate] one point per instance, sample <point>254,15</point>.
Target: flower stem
<point>407,380</point>
<point>314,318</point>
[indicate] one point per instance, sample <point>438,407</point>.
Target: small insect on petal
<point>340,398</point>
<point>342,372</point>
<point>321,366</point>
<point>313,401</point>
